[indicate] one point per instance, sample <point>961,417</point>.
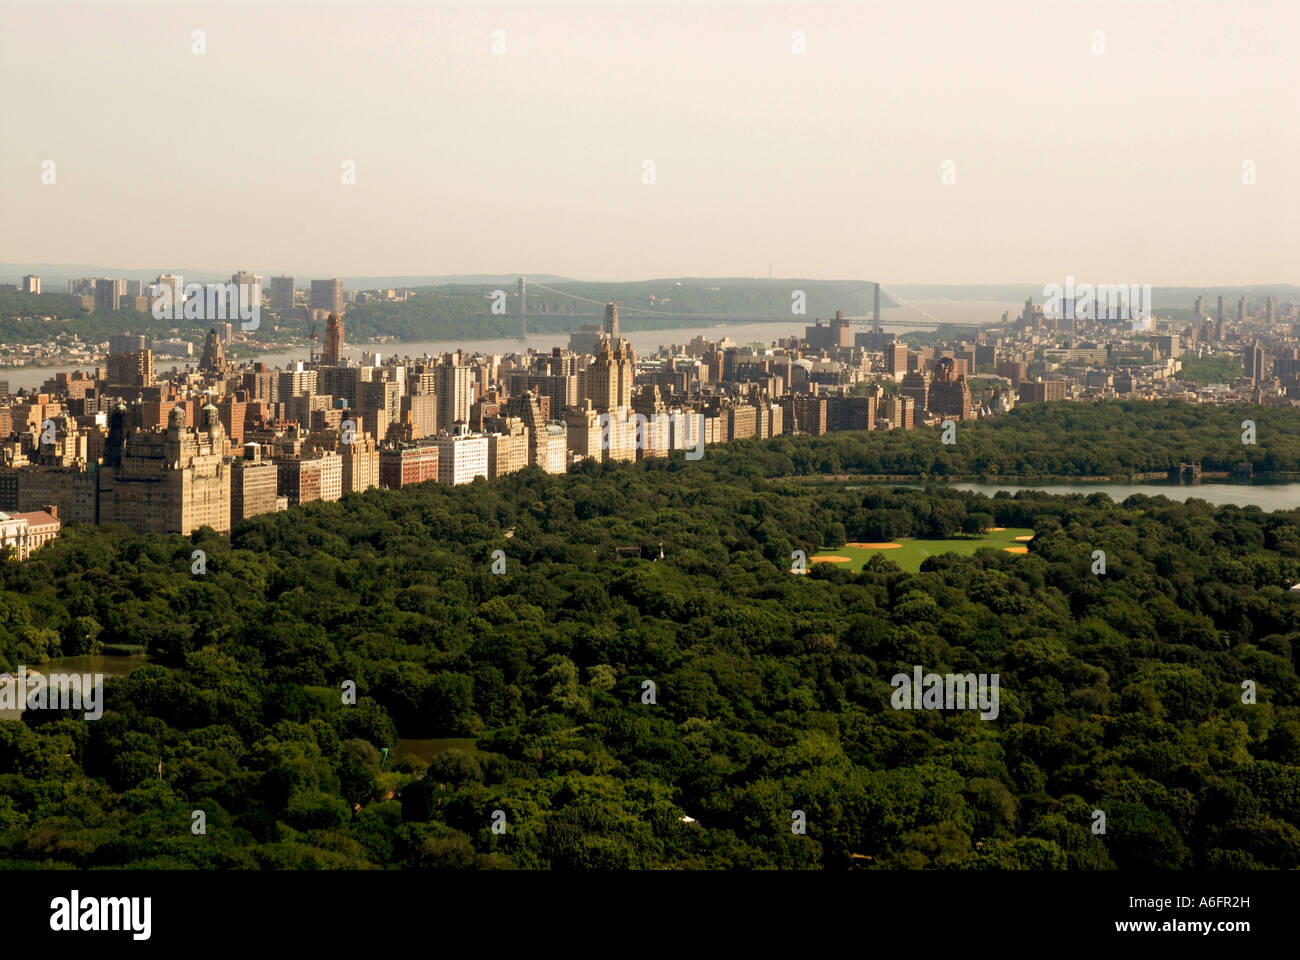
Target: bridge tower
<point>523,308</point>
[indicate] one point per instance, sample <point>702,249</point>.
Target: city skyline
<point>882,457</point>
<point>161,454</point>
<point>826,163</point>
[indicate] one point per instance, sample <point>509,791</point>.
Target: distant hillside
<point>450,311</point>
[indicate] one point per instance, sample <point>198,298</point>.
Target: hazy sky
<point>1124,166</point>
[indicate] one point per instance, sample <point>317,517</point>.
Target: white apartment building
<point>461,458</point>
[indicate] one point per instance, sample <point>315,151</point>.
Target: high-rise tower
<point>610,326</point>
<point>282,293</point>
<point>213,360</point>
<point>949,393</point>
<point>327,295</point>
<point>610,376</point>
<point>453,386</point>
<point>333,342</point>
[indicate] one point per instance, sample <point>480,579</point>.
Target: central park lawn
<point>909,554</point>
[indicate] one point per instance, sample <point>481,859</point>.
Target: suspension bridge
<point>880,306</point>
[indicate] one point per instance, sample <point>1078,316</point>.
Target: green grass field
<point>909,554</point>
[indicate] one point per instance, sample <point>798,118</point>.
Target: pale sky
<point>1122,166</point>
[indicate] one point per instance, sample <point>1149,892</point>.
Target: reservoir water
<point>1267,496</point>
<point>87,663</point>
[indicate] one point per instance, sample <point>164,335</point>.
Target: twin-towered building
<point>173,481</point>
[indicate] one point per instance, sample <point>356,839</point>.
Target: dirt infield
<point>1016,549</point>
<point>874,546</point>
<point>829,560</point>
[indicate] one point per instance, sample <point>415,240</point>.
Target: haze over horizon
<point>1122,166</point>
<point>996,288</point>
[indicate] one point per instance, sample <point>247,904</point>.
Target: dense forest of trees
<point>1120,692</point>
<point>21,323</point>
<point>1107,438</point>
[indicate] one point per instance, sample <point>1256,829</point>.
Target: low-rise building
<point>21,534</point>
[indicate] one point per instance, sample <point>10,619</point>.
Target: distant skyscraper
<point>1200,311</point>
<point>106,295</point>
<point>126,343</point>
<point>610,326</point>
<point>303,479</point>
<point>177,293</point>
<point>1241,310</point>
<point>31,284</point>
<point>360,463</point>
<point>896,361</point>
<point>1257,362</point>
<point>461,458</point>
<point>327,295</point>
<point>902,412</point>
<point>405,465</point>
<point>172,482</point>
<point>917,387</point>
<point>1042,391</point>
<point>282,290</point>
<point>253,484</point>
<point>832,336</point>
<point>609,378</point>
<point>875,308</point>
<point>949,394</point>
<point>1219,314</point>
<point>214,354</point>
<point>333,342</point>
<point>132,369</point>
<point>1268,312</point>
<point>1167,345</point>
<point>248,287</point>
<point>453,385</point>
